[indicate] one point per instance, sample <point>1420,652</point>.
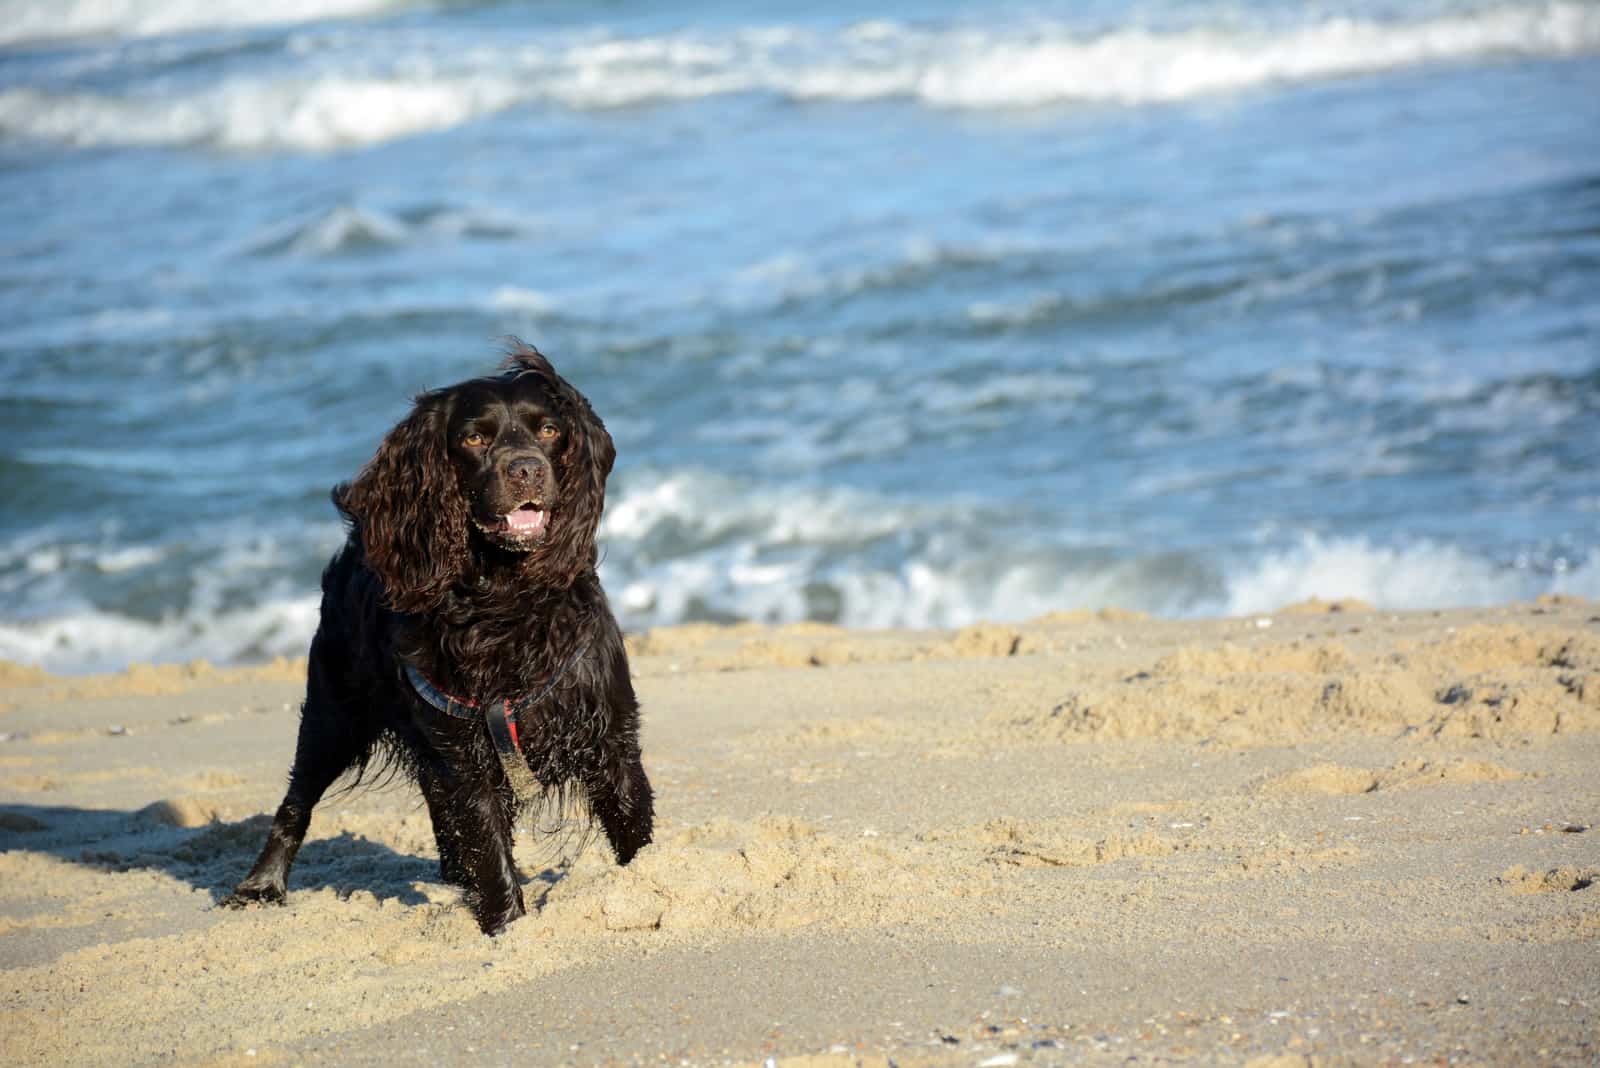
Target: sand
<point>1329,835</point>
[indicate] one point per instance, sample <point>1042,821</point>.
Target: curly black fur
<point>435,573</point>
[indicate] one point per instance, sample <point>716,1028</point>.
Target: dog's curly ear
<point>582,467</point>
<point>407,509</point>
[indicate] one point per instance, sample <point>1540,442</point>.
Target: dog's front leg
<point>483,824</point>
<point>621,799</point>
<point>446,834</point>
<point>330,741</point>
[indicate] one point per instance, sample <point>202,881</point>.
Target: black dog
<point>470,571</point>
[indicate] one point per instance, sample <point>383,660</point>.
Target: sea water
<point>900,315</point>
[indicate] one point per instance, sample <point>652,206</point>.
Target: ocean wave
<point>92,640</point>
<point>702,546</point>
<point>939,590</point>
<point>339,230</point>
<point>1425,575</point>
<point>227,592</point>
<point>1138,66</point>
<point>349,229</point>
<point>55,20</point>
<point>315,114</point>
<point>340,96</point>
<point>690,545</point>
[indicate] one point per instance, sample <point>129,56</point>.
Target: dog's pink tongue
<point>525,521</point>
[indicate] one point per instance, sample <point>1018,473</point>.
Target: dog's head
<point>517,461</point>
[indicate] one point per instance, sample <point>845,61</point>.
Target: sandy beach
<point>1326,835</point>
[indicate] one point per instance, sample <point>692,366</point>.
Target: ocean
<point>900,315</point>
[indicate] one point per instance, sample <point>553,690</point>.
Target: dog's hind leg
<point>329,743</point>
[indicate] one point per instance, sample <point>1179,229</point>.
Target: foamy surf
<point>296,113</point>
<point>338,97</point>
<point>700,546</point>
<point>108,641</point>
<point>1335,340</point>
<point>1137,66</point>
<point>1423,575</point>
<point>830,560</point>
<point>56,20</point>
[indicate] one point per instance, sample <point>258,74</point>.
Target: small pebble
<point>116,729</point>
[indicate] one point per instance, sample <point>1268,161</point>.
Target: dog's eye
<point>549,430</point>
<point>474,440</point>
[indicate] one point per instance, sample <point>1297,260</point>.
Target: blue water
<point>911,317</point>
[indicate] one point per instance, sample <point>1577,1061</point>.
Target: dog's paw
<point>246,895</point>
<point>494,928</point>
<point>495,921</point>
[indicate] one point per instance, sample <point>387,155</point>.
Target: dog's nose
<point>526,469</point>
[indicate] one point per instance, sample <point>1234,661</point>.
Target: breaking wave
<point>701,546</point>
<point>338,96</point>
<point>688,546</point>
<point>54,20</point>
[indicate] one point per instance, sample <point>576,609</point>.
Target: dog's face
<point>504,436</point>
<point>517,461</point>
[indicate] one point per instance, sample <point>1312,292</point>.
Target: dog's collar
<point>458,707</point>
<point>499,715</point>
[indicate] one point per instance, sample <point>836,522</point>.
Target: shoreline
<point>1334,835</point>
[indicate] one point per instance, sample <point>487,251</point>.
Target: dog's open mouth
<point>523,525</point>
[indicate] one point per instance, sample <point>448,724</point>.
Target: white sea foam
<point>522,300</point>
<point>695,546</point>
<point>234,597</point>
<point>371,90</point>
<point>702,509</point>
<point>23,21</point>
<point>92,640</point>
<point>1044,63</point>
<point>316,114</point>
<point>1135,66</point>
<point>1424,575</point>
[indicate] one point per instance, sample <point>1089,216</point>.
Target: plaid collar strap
<point>457,707</point>
<point>462,708</point>
<point>500,717</point>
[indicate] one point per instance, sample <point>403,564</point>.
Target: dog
<point>464,635</point>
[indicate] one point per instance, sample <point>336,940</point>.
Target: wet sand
<point>1329,835</point>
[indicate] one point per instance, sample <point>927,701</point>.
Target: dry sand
<point>1326,836</point>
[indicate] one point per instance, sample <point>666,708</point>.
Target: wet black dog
<point>465,636</point>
